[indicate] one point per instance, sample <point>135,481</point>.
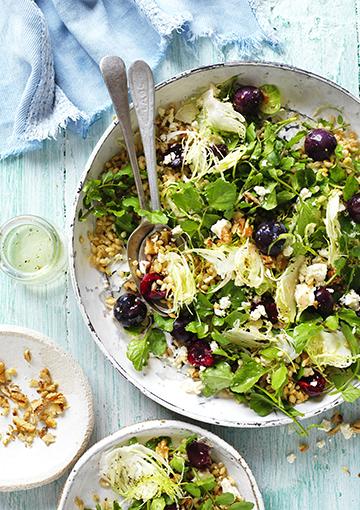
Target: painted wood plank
<point>320,36</point>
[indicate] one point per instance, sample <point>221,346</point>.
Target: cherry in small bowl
<point>199,455</point>
<point>146,285</point>
<point>130,310</point>
<point>313,385</point>
<point>200,355</point>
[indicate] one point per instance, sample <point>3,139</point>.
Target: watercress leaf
<point>303,333</point>
<point>203,306</point>
<point>157,504</point>
<point>131,202</point>
<point>189,226</point>
<point>351,338</point>
<point>234,316</point>
<point>199,328</point>
<point>307,213</point>
<point>351,187</point>
<point>279,377</point>
<point>284,196</point>
<point>246,376</point>
<point>219,338</point>
<point>349,316</point>
<point>164,323</point>
<point>221,194</point>
<point>305,177</point>
<point>261,404</point>
<point>295,139</point>
<point>351,393</point>
<point>207,483</point>
<point>177,463</point>
<point>155,217</point>
<point>157,342</point>
<point>192,489</point>
<point>337,174</point>
<point>332,322</point>
<point>116,505</point>
<point>187,198</point>
<point>235,294</point>
<point>154,441</point>
<point>270,200</point>
<point>241,505</point>
<point>138,352</point>
<point>226,498</point>
<point>209,219</point>
<point>216,378</point>
<point>207,505</point>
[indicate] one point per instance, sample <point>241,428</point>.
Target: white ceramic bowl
<point>24,468</point>
<point>83,481</point>
<point>301,91</point>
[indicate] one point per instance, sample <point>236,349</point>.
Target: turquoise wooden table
<point>321,36</point>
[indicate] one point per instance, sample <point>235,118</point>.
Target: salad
<point>262,290</point>
<point>163,474</point>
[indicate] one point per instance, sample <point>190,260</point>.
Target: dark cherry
<point>270,307</point>
<point>266,234</point>
<point>313,385</point>
<point>320,144</point>
<point>130,310</point>
<point>220,150</point>
<point>324,301</point>
<point>353,208</point>
<point>171,507</point>
<point>145,286</point>
<point>247,100</point>
<point>179,332</point>
<point>199,455</point>
<point>176,154</point>
<point>200,355</point>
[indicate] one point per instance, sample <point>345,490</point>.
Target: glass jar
<point>31,250</point>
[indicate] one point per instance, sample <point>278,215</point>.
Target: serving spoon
<point>142,90</point>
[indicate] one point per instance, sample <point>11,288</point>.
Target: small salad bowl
<point>83,486</point>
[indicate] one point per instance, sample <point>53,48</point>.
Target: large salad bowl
<point>302,92</point>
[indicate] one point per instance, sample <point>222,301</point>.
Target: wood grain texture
<point>321,36</point>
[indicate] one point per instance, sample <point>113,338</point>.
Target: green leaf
<point>192,489</point>
<point>303,333</point>
<point>270,200</point>
<point>189,226</point>
<point>221,194</point>
<point>279,377</point>
<point>307,213</point>
<point>246,376</point>
<point>116,506</point>
<point>199,328</point>
<point>154,441</point>
<point>207,505</point>
<point>337,174</point>
<point>157,504</point>
<point>351,393</point>
<point>157,342</point>
<point>284,196</point>
<point>177,463</point>
<point>138,352</point>
<point>261,404</point>
<point>187,198</point>
<point>216,378</point>
<point>207,483</point>
<point>155,217</point>
<point>203,306</point>
<point>226,498</point>
<point>332,322</point>
<point>219,338</point>
<point>349,316</point>
<point>351,187</point>
<point>241,505</point>
<point>234,316</point>
<point>164,323</point>
<point>351,338</point>
<point>295,139</point>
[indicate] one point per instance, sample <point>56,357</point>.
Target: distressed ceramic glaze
<point>301,91</point>
<point>83,481</point>
<point>24,467</point>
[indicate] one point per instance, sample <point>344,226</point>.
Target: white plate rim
<point>158,424</point>
<point>45,340</point>
<point>279,420</point>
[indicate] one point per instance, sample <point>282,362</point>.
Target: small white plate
<point>83,481</point>
<point>24,467</point>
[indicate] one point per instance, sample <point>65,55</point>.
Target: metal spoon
<point>142,89</point>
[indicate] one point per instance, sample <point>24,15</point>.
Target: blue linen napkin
<point>50,51</point>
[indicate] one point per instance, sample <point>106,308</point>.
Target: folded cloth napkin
<point>50,51</point>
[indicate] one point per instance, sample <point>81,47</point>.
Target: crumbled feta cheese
<point>261,191</point>
<point>257,313</point>
<point>315,274</point>
<point>320,444</point>
<point>177,230</point>
<point>168,158</point>
<point>224,302</point>
<point>219,312</point>
<point>304,296</point>
<point>324,253</point>
<point>214,345</point>
<point>227,485</point>
<point>287,251</point>
<point>352,300</point>
<point>325,425</point>
<point>179,357</point>
<point>305,193</point>
<point>291,458</point>
<point>218,227</point>
<point>191,386</point>
<point>346,430</point>
<point>143,265</point>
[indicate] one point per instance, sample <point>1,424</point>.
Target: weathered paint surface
<point>320,36</point>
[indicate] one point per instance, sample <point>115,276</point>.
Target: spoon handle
<point>114,73</point>
<point>141,83</point>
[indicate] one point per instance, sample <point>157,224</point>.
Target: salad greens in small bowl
<point>260,181</point>
<point>161,465</point>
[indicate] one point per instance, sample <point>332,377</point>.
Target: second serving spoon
<point>142,90</point>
